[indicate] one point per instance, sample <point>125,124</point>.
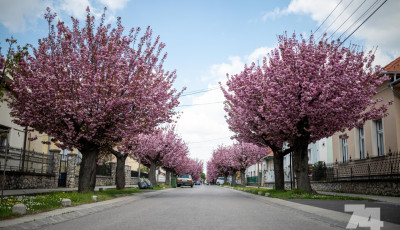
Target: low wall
<point>272,185</point>
<point>27,180</point>
<point>108,180</point>
<point>361,187</point>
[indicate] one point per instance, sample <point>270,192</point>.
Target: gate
<point>62,178</point>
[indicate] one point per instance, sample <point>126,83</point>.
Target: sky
<point>206,40</point>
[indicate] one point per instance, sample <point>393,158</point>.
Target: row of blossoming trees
<point>303,91</point>
<point>101,90</point>
<point>229,160</point>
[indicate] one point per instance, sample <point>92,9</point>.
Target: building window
<point>3,135</point>
<point>379,135</point>
<point>345,150</point>
<point>361,142</point>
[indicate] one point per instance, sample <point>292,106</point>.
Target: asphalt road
<point>201,207</point>
<point>388,212</point>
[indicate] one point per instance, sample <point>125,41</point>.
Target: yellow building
<point>377,137</point>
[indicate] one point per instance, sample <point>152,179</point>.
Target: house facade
<point>375,138</point>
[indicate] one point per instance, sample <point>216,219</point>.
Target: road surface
<point>200,207</point>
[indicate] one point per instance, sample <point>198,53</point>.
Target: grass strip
<point>50,201</point>
<point>295,194</point>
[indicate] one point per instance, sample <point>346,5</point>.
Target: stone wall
<point>31,180</point>
<point>108,180</point>
<point>272,185</point>
<point>361,187</point>
<point>25,180</point>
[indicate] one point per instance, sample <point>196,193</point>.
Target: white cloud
<point>381,30</point>
<point>114,4</point>
<point>204,126</point>
<point>258,55</point>
<point>276,13</point>
<point>75,8</point>
<point>17,15</point>
<point>20,15</point>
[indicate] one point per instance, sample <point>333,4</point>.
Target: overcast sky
<point>208,39</point>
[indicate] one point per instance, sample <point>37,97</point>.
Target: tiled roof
<point>270,154</point>
<point>393,66</point>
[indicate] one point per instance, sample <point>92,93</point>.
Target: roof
<point>269,155</point>
<point>393,66</point>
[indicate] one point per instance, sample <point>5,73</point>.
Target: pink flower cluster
<point>303,91</point>
<point>227,160</point>
<point>93,86</point>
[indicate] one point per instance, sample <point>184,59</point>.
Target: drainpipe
<point>393,83</point>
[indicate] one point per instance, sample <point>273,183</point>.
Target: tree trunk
<point>225,179</point>
<point>279,172</point>
<point>300,163</point>
<point>152,173</point>
<point>87,172</point>
<point>120,172</point>
<point>234,178</point>
<point>168,176</point>
<point>243,177</point>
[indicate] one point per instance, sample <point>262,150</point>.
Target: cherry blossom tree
<point>212,171</point>
<point>90,87</point>
<point>220,158</point>
<point>228,160</point>
<point>193,167</point>
<point>174,157</point>
<point>244,155</point>
<point>304,90</point>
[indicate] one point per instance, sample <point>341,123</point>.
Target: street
<point>201,207</point>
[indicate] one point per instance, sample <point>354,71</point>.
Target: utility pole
<point>139,170</point>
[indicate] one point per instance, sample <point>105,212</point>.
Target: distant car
<point>184,180</point>
<point>197,183</point>
<point>220,180</point>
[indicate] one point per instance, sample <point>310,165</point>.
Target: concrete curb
<point>328,216</point>
<point>22,192</point>
<point>35,221</point>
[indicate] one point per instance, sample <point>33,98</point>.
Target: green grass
<point>51,201</point>
<point>294,194</point>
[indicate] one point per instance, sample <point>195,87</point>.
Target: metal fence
<point>254,179</point>
<point>103,170</point>
<point>375,168</point>
<point>29,161</point>
<point>142,174</point>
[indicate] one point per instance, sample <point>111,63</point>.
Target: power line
<point>199,91</point>
<point>209,140</point>
<point>359,18</point>
<point>334,20</point>
<point>327,17</point>
<point>201,104</point>
<point>347,19</point>
<point>363,22</point>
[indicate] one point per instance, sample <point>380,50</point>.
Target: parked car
<point>197,183</point>
<point>184,180</point>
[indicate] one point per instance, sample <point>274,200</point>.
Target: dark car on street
<point>197,183</point>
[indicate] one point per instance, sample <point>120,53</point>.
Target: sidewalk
<point>389,199</point>
<point>20,192</point>
<point>40,220</point>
